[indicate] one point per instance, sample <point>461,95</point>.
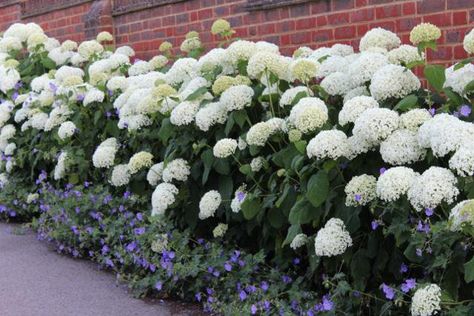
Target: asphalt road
<point>36,281</point>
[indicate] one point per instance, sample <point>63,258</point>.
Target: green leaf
<point>463,63</point>
<point>469,87</point>
<point>276,218</point>
<point>290,235</point>
<point>48,63</point>
<point>196,94</point>
<point>251,207</point>
<point>166,130</point>
<point>318,188</point>
<point>407,103</point>
<point>245,169</point>
<point>301,146</point>
<point>469,271</point>
<point>435,76</point>
<point>453,97</point>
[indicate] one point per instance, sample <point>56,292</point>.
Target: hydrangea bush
<point>343,159</point>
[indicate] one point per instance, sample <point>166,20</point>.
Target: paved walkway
<point>36,281</point>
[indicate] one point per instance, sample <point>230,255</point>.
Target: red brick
<point>459,4</point>
<point>460,18</point>
<point>323,36</point>
<point>338,18</point>
<point>342,4</point>
<point>409,8</point>
<point>428,6</point>
<point>345,32</point>
<point>440,19</point>
<point>306,23</point>
<point>362,15</point>
<point>300,38</point>
<point>407,24</point>
<point>388,11</point>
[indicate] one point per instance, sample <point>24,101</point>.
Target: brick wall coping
<point>6,3</point>
<point>30,8</point>
<point>120,7</point>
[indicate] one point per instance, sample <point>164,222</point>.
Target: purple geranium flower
<point>408,285</point>
<point>465,110</point>
<point>388,291</point>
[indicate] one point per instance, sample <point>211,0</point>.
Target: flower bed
<point>330,181</point>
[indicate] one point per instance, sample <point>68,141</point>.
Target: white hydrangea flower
<point>463,159</point>
<point>360,190</point>
<point>224,148</point>
<point>10,149</point>
<point>60,168</point>
<point>93,95</point>
<point>239,198</point>
<point>426,301</point>
<point>120,175</point>
<point>220,230</point>
<point>66,130</point>
<point>155,174</point>
<point>117,83</point>
<point>303,69</point>
<point>240,50</point>
<point>177,169</point>
<point>379,37</point>
<point>289,95</point>
<point>354,107</point>
<point>330,144</point>
<point>139,161</point>
<point>209,203</point>
<point>299,241</point>
<point>8,78</point>
<point>395,182</point>
<point>184,113</point>
<point>434,186</point>
<point>237,97</point>
<point>402,147</point>
<point>424,32</point>
<point>468,43</point>
<point>363,68</point>
<point>125,50</point>
<point>89,48</point>
<point>333,239</point>
<point>163,197</point>
<point>341,50</point>
<point>210,115</point>
<point>375,124</point>
<point>139,68</point>
<point>337,83</point>
<point>258,134</point>
<point>444,133</point>
<point>458,79</point>
<point>413,119</point>
<point>8,131</point>
<point>104,155</point>
<point>460,214</point>
<point>257,164</point>
<point>393,81</point>
<point>264,63</point>
<point>181,71</point>
<point>405,54</point>
<point>308,114</point>
<point>356,92</point>
<point>3,179</point>
<point>332,64</point>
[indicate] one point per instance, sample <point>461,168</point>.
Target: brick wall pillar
<point>98,19</point>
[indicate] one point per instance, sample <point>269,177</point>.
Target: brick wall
<point>144,24</point>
